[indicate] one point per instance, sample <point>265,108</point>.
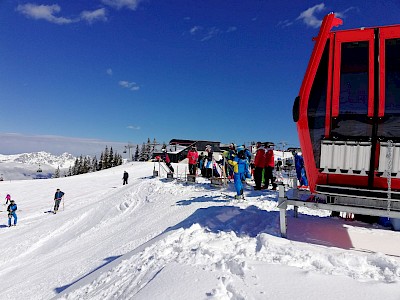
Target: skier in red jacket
<point>192,157</point>
<point>269,167</point>
<point>259,162</point>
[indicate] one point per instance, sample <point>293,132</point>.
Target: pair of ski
<point>50,211</point>
<point>225,195</point>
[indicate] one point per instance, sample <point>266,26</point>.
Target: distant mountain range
<point>34,165</point>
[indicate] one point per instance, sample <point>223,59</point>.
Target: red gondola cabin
<point>348,113</point>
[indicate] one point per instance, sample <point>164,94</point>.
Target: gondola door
<point>365,102</point>
<point>353,85</point>
<point>351,124</point>
<point>388,129</point>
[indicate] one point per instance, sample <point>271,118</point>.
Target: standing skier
<point>259,162</point>
<point>12,208</point>
<point>57,199</point>
<point>192,157</point>
<point>239,164</point>
<point>125,178</point>
<point>269,167</point>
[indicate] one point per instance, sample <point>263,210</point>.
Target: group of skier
<point>264,161</point>
<point>238,164</point>
<point>12,207</point>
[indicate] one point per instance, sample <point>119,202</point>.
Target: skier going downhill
<point>8,198</point>
<point>57,199</point>
<point>12,208</point>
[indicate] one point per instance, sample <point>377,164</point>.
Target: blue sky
<point>128,70</point>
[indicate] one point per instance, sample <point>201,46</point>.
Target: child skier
<point>12,208</point>
<point>8,198</point>
<point>239,164</point>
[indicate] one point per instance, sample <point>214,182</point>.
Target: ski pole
<point>63,200</point>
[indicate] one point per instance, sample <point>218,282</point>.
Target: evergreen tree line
<point>87,164</point>
<point>146,151</point>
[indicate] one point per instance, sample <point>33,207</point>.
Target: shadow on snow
<point>107,261</point>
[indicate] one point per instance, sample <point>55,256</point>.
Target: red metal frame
<point>384,34</point>
<point>345,37</point>
<point>302,125</point>
<point>332,98</point>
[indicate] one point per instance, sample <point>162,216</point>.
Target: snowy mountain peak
<point>64,160</point>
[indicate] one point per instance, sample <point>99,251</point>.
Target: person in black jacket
<point>125,178</point>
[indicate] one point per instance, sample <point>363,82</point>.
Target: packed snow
<point>167,239</point>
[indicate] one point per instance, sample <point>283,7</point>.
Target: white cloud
<point>285,23</point>
<point>309,18</point>
<point>212,32</point>
<point>118,4</point>
<point>342,14</point>
<point>133,86</point>
<point>44,12</point>
<point>195,29</point>
<point>93,16</point>
<point>205,34</point>
<point>133,127</point>
<point>109,71</point>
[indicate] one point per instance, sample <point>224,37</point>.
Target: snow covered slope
<point>159,239</point>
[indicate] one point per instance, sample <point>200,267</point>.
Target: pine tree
<point>148,149</point>
<point>110,162</point>
<point>57,172</point>
<point>105,159</point>
<point>86,164</point>
<point>75,168</point>
<point>142,155</point>
<point>80,165</point>
<point>94,166</point>
<point>100,165</point>
<point>136,157</point>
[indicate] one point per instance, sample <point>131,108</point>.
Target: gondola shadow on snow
<point>107,261</point>
<point>201,199</point>
<point>249,221</point>
<point>252,221</point>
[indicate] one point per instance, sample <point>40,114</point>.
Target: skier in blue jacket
<point>12,208</point>
<point>241,172</point>
<point>57,199</point>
